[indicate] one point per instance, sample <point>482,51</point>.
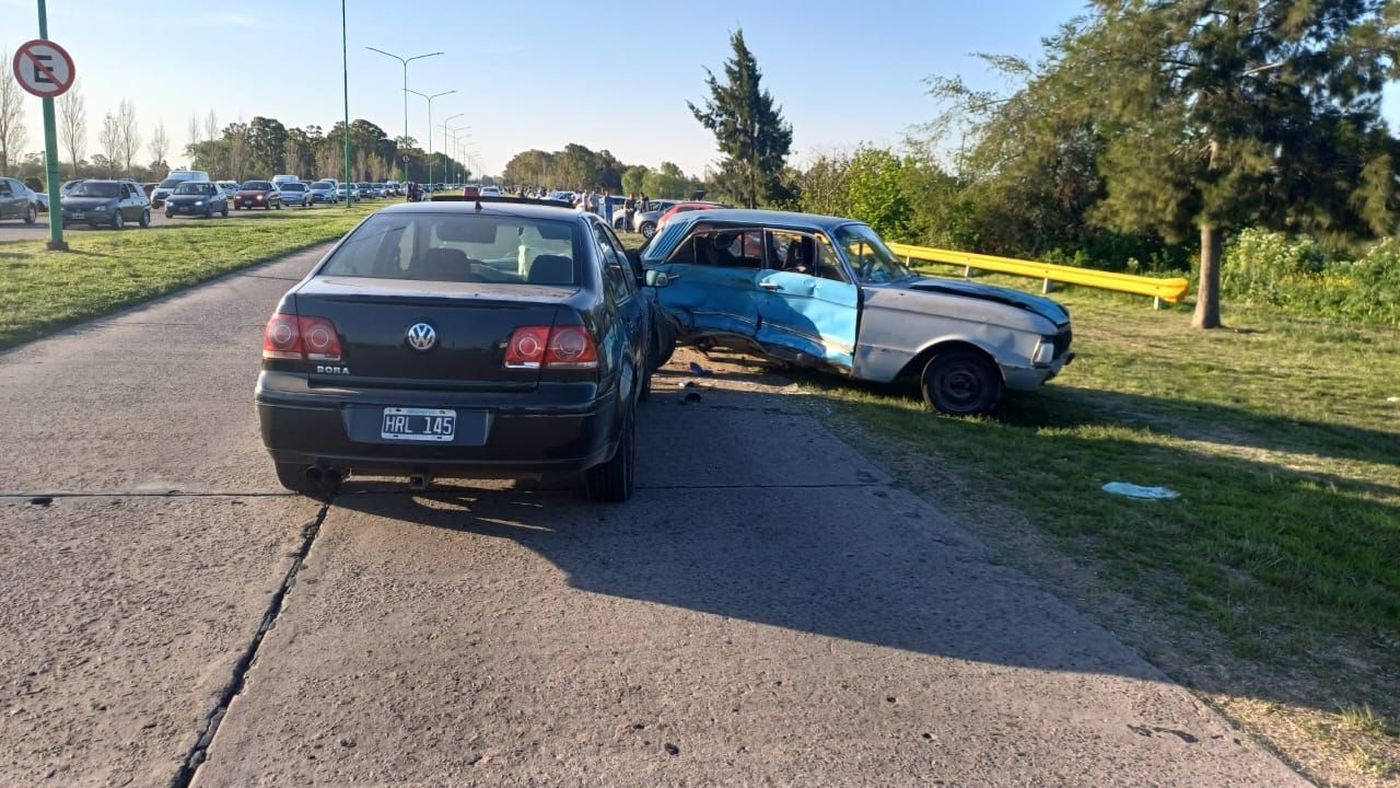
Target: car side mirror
<point>655,278</point>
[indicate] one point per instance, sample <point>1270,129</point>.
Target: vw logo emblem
<point>421,336</point>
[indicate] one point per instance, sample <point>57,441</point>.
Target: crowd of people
<point>595,201</point>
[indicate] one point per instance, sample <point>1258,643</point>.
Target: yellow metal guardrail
<point>1170,290</point>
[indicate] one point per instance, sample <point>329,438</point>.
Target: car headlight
<point>198,203</point>
<point>1044,351</point>
<point>259,197</point>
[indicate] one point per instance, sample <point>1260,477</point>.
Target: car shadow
<point>869,562</point>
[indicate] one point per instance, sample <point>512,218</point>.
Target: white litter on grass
<point>1392,399</point>
<point>1135,491</point>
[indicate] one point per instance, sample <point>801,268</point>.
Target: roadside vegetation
<point>41,290</point>
<point>1272,585</point>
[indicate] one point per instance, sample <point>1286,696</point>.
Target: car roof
<point>525,210</point>
<point>789,219</point>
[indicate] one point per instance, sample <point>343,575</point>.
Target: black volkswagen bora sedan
<point>489,338</point>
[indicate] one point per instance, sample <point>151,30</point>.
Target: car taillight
<point>563,347</point>
<point>301,338</point>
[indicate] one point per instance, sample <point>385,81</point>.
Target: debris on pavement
<point>699,370</point>
<point>1137,491</point>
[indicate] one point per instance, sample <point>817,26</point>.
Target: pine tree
<point>1227,113</point>
<point>749,129</point>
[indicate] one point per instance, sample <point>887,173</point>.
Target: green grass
<point>41,290</point>
<point>1276,574</point>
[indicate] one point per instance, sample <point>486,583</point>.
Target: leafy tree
<point>1226,113</point>
<point>668,182</point>
<point>634,179</point>
<point>267,138</point>
<point>12,131</point>
<point>749,129</point>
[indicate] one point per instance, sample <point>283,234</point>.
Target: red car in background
<point>471,190</point>
<point>682,207</point>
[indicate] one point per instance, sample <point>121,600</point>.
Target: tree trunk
<point>1208,291</point>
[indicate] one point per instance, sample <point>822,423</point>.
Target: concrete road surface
<point>770,609</point>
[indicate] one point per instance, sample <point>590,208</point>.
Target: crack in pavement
<point>195,757</point>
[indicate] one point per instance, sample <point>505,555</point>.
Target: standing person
<point>629,209</point>
<point>646,202</point>
<point>607,210</point>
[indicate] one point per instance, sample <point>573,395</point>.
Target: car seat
<point>551,269</point>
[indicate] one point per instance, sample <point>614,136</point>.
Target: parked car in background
<point>363,191</point>
<point>172,179</point>
<point>295,194</point>
<point>683,207</point>
<point>471,190</point>
<point>106,203</point>
<point>229,188</point>
<point>377,191</point>
<point>826,292</point>
<point>321,191</point>
<point>451,339</point>
<point>394,188</point>
<point>490,191</point>
<point>17,201</point>
<point>257,194</point>
<point>196,198</point>
<point>278,180</point>
<point>646,222</point>
<point>347,189</point>
<point>149,189</point>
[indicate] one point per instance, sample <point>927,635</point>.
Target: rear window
<point>442,247</point>
<point>321,185</point>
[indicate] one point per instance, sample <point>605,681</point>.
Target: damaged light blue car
<point>826,292</point>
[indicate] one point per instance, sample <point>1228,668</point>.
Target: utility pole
<point>430,127</point>
<point>345,71</point>
<point>405,61</point>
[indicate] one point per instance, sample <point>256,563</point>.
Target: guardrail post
<point>1045,287</point>
<point>1156,302</point>
<point>967,272</point>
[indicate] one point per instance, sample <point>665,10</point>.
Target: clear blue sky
<point>533,73</point>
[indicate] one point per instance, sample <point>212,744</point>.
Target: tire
<point>169,215</point>
<point>611,481</point>
<point>145,219</point>
<point>32,215</point>
<point>224,211</point>
<point>961,383</point>
<point>648,229</point>
<point>267,206</point>
<point>279,206</point>
<point>118,221</point>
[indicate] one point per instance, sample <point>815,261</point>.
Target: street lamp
<point>430,126</point>
<point>444,140</point>
<point>405,61</point>
<point>456,145</point>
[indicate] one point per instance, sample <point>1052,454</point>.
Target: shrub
<point>1261,266</point>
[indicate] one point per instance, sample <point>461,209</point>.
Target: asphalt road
<point>770,609</point>
<point>15,230</point>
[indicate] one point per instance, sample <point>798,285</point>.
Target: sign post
<point>45,69</point>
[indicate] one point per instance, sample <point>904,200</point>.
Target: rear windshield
<point>98,189</point>
<point>321,185</point>
<point>293,187</point>
<point>443,247</point>
<point>259,186</point>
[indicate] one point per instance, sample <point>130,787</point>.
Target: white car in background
<point>229,188</point>
<point>490,191</point>
<point>172,179</point>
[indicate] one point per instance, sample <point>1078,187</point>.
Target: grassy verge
<point>42,290</point>
<point>1273,584</point>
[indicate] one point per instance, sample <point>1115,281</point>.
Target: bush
<point>1291,272</point>
<point>1262,266</point>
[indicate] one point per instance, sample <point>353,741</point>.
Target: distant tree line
<point>577,168</point>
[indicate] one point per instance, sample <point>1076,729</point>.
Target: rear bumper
<point>527,433</point>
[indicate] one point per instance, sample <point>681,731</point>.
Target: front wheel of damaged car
<point>961,383</point>
<point>612,480</point>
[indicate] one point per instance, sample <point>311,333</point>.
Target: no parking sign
<point>44,68</point>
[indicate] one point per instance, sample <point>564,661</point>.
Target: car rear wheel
<point>648,229</point>
<point>31,215</point>
<point>961,383</point>
<point>145,218</point>
<point>279,206</point>
<point>118,221</point>
<point>612,480</point>
<point>224,210</point>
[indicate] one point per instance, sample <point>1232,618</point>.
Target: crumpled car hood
<point>1045,307</point>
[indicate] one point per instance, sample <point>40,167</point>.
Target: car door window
<point>5,190</point>
<point>615,269</point>
<point>722,248</point>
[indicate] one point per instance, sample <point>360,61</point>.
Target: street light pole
<point>405,61</point>
<point>456,152</point>
<point>430,126</point>
<point>345,71</point>
<point>444,141</point>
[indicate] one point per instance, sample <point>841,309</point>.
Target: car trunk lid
<point>470,326</point>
